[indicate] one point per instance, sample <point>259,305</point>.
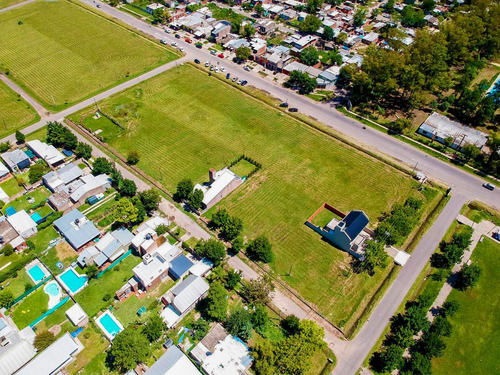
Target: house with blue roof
<point>179,267</point>
<point>347,234</point>
<point>76,229</point>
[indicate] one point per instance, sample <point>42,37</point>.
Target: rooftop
<point>47,152</point>
<point>21,221</point>
<point>173,362</point>
<point>188,292</point>
<point>76,228</point>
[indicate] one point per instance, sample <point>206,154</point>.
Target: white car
<point>181,49</point>
<point>247,68</point>
<point>174,44</point>
<point>207,64</point>
<point>167,31</point>
<point>216,70</point>
<point>222,69</point>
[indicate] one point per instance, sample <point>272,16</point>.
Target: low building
<point>311,71</point>
<point>23,224</point>
<point>4,171</point>
<point>179,267</point>
<point>76,229</point>
<point>152,7</point>
<point>440,128</point>
<point>221,31</point>
<point>62,176</point>
<point>53,359</point>
<point>370,38</point>
<point>328,77</point>
<point>109,248</point>
<point>16,347</point>
<point>220,185</point>
<point>77,316</point>
<point>173,362</point>
<point>304,42</point>
<point>92,185</point>
<point>146,240</point>
<point>16,160</point>
<point>219,353</point>
<point>49,153</point>
<point>7,232</point>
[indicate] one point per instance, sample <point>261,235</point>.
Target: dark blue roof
<point>355,222</point>
<point>179,266</point>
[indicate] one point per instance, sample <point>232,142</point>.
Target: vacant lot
<point>475,343</point>
<point>15,113</point>
<point>62,53</point>
<point>183,123</point>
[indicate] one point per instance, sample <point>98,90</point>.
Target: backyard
<point>61,53</point>
<point>15,113</point>
<point>301,169</point>
<point>474,343</point>
<point>30,308</point>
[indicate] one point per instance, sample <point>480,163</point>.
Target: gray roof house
<point>63,176</point>
<point>16,160</point>
<point>188,292</point>
<point>113,245</point>
<point>76,228</point>
<point>173,362</point>
<point>16,347</point>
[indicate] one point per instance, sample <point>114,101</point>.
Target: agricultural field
<point>62,53</point>
<point>183,123</point>
<point>15,113</point>
<point>8,3</point>
<point>474,343</point>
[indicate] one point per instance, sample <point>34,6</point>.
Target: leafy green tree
<point>428,5</point>
<point>450,308</point>
<point>331,58</point>
<point>216,302</point>
<point>431,345</point>
<point>258,291</point>
<point>314,5</point>
<point>127,188</point>
<point>410,17</point>
<point>141,211</point>
<point>264,359</point>
<point>359,18</point>
<point>237,244</point>
<point>219,219</point>
<point>125,212</point>
<point>243,53</point>
<point>91,271</point>
<point>212,249</point>
<point>161,15</point>
<point>154,328</point>
<point>6,298</point>
<point>83,150</point>
<point>130,347</point>
<point>260,318</point>
<point>341,38</point>
<point>239,324</point>
<point>375,257</point>
<point>328,33</point>
<point>195,200</point>
<point>43,340</point>
<point>60,136</point>
<point>419,365</point>
<point>309,56</point>
<point>233,278</point>
<point>184,189</point>
<point>468,276</point>
<point>150,199</point>
<point>392,358</point>
<point>133,157</point>
<point>231,229</point>
<point>247,31</point>
<point>101,166</point>
<point>36,172</point>
<point>441,326</point>
<point>260,249</point>
<point>290,325</point>
<point>200,328</point>
<point>310,24</point>
<point>401,125</point>
<point>470,151</point>
<point>7,250</point>
<point>258,9</point>
<point>20,137</point>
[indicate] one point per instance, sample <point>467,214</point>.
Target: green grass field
<point>62,53</point>
<point>183,123</point>
<point>15,112</point>
<point>474,345</point>
<point>30,308</point>
<point>8,3</point>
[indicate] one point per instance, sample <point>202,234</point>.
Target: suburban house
<point>152,7</point>
<point>4,171</point>
<point>221,31</point>
<point>109,248</point>
<point>23,224</point>
<point>182,298</point>
<point>76,229</point>
<point>219,353</point>
<point>173,362</point>
<point>62,176</point>
<point>179,267</point>
<point>275,58</point>
<point>370,38</point>
<point>438,128</point>
<point>220,185</point>
<point>16,347</point>
<point>49,153</point>
<point>7,232</point>
<point>146,240</point>
<point>16,160</point>
<point>53,359</point>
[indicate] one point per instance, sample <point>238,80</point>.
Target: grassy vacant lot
<point>183,123</point>
<point>15,113</point>
<point>22,203</point>
<point>62,53</point>
<point>17,285</point>
<point>11,187</point>
<point>475,343</point>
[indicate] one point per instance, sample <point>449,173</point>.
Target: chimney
<point>211,175</point>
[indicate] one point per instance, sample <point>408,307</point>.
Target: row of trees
<point>185,192</point>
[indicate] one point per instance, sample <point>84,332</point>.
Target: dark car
<point>196,61</point>
<point>293,110</point>
<point>198,45</point>
<point>244,83</point>
<point>496,236</point>
<point>489,186</point>
<point>177,36</point>
<point>163,41</point>
<point>284,105</point>
<point>228,76</point>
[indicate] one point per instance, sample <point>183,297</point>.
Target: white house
<point>23,224</point>
<point>49,153</point>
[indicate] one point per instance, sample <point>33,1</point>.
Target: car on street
<point>177,36</point>
<point>496,236</point>
<point>222,69</point>
<point>220,55</point>
<point>293,110</point>
<point>163,41</point>
<point>216,70</point>
<point>174,44</point>
<point>211,68</point>
<point>167,31</point>
<point>198,45</point>
<point>247,68</point>
<point>98,5</point>
<point>489,186</point>
<point>181,49</point>
<point>234,79</point>
<point>212,52</point>
<point>284,105</point>
<point>207,64</point>
<point>243,83</point>
<point>196,61</point>
<point>239,82</point>
<point>228,76</point>
<point>188,40</point>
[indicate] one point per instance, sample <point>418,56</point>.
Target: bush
<point>43,340</point>
<point>8,250</point>
<point>133,157</point>
<point>36,172</point>
<point>260,249</point>
<point>161,229</point>
<point>6,298</point>
<point>400,223</point>
<point>106,297</point>
<point>20,137</point>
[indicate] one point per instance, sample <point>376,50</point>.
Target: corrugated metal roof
<point>186,295</point>
<point>173,362</point>
<point>179,266</point>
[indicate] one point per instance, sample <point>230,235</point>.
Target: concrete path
<point>6,9</point>
<point>15,87</point>
<point>98,204</point>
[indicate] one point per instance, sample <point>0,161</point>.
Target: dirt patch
<point>55,329</point>
<point>64,250</point>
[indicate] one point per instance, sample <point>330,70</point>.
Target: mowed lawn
<point>474,345</point>
<point>15,113</point>
<point>62,53</point>
<point>183,123</point>
<point>8,3</point>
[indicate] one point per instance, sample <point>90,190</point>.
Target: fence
<point>115,263</point>
<point>31,290</point>
<point>47,313</point>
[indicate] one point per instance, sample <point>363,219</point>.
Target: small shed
<point>77,316</point>
<point>179,267</point>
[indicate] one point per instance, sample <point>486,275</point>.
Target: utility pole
<point>413,171</point>
<point>290,271</point>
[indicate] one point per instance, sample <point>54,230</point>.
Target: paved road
<point>15,87</point>
<point>16,6</point>
<point>459,180</point>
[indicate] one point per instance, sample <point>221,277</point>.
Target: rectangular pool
<point>109,324</point>
<point>73,280</point>
<point>36,273</point>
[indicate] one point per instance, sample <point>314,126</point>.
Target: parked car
<point>207,64</point>
<point>221,55</point>
<point>489,186</point>
<point>163,41</point>
<point>247,68</point>
<point>168,343</point>
<point>239,82</point>
<point>196,61</point>
<point>167,31</point>
<point>177,36</point>
<point>212,52</point>
<point>199,45</point>
<point>181,49</point>
<point>284,105</point>
<point>174,44</point>
<point>496,236</point>
<point>216,70</point>
<point>234,79</point>
<point>243,83</point>
<point>211,68</point>
<point>222,69</point>
<point>188,40</point>
<point>228,76</point>
<point>98,5</point>
<point>293,110</point>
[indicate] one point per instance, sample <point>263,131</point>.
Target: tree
<point>260,249</point>
<point>411,17</point>
<point>419,364</point>
<point>470,151</point>
<point>391,358</point>
<point>7,250</point>
<point>125,212</point>
<point>195,200</point>
<point>331,57</point>
<point>4,146</point>
<point>468,276</point>
<point>237,244</point>
<point>310,24</point>
<point>36,172</point>
<point>247,31</point>
<point>359,18</point>
<point>309,56</point>
<point>401,125</point>
<point>375,256</point>
<point>219,219</point>
<point>20,137</point>
<point>431,345</point>
<point>43,340</point>
<point>127,188</point>
<point>184,189</point>
<point>258,291</point>
<point>154,328</point>
<point>60,136</point>
<point>260,318</point>
<point>290,325</point>
<point>161,15</point>
<point>216,302</point>
<point>91,271</point>
<point>83,151</point>
<point>416,318</point>
<point>161,229</point>
<point>233,278</point>
<point>243,53</point>
<point>428,5</point>
<point>341,38</point>
<point>305,83</point>
<point>133,157</point>
<point>231,229</point>
<point>130,347</point>
<point>150,199</point>
<point>212,249</point>
<point>314,5</point>
<point>441,326</point>
<point>200,328</point>
<point>259,9</point>
<point>6,298</point>
<point>101,166</point>
<point>264,359</point>
<point>141,212</point>
<point>328,33</point>
<point>450,308</point>
<point>239,324</point>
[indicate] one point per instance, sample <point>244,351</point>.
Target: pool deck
<point>66,287</point>
<point>53,300</point>
<point>108,335</point>
<point>33,264</point>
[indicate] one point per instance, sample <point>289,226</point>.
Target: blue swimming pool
<point>109,325</point>
<point>36,273</point>
<point>52,289</point>
<point>73,281</point>
<point>36,217</point>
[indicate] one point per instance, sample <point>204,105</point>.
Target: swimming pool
<point>109,324</point>
<point>52,289</point>
<point>36,273</point>
<point>73,281</point>
<point>36,217</point>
